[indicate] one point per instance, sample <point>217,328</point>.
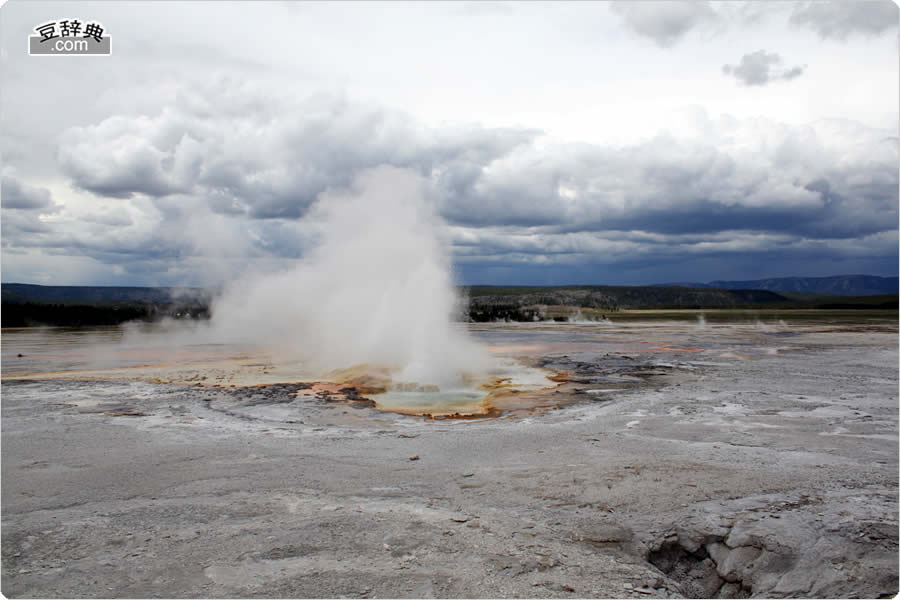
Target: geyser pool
<point>459,402</point>
<point>475,395</point>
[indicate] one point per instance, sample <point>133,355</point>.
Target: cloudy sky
<point>607,142</point>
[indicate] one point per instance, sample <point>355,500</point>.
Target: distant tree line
<point>31,314</point>
<point>485,304</point>
<point>506,312</point>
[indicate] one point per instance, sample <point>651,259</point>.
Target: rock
<point>731,590</point>
<point>796,582</point>
<point>738,564</point>
<point>768,569</point>
<point>748,533</point>
<point>690,542</point>
<point>718,552</point>
<point>558,587</point>
<point>706,581</point>
<point>125,413</point>
<point>604,533</point>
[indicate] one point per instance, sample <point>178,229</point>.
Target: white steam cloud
<point>377,290</point>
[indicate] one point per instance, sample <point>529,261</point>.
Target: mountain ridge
<point>837,285</point>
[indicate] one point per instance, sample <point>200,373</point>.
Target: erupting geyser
<point>376,294</point>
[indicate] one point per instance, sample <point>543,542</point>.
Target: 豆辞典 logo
<point>70,37</point>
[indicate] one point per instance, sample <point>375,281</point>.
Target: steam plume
<point>377,290</point>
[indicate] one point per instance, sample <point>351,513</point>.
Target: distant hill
<point>837,285</point>
<point>488,303</point>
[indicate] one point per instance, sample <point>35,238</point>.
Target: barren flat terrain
<point>667,458</point>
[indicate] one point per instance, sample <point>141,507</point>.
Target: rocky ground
<point>697,474</point>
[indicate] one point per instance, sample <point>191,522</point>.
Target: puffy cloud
<point>225,186</point>
<point>761,67</point>
<point>266,163</point>
<point>665,22</point>
<point>123,156</point>
<point>840,19</point>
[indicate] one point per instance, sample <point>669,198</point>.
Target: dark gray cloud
<point>761,67</point>
<point>843,19</point>
<point>671,187</point>
<point>665,22</point>
<point>19,196</point>
<point>781,259</point>
<point>23,205</point>
<point>17,226</point>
